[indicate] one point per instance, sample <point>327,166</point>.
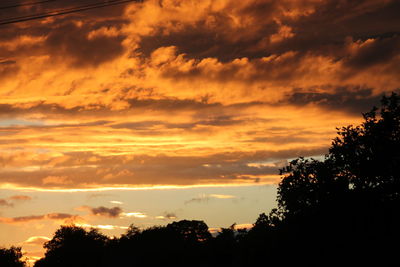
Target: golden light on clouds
<point>186,95</point>
<point>172,93</point>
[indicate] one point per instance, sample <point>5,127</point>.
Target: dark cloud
<point>5,203</point>
<point>319,27</point>
<point>218,36</point>
<point>59,216</point>
<point>170,215</point>
<point>7,62</point>
<point>26,218</point>
<point>10,201</point>
<point>169,104</point>
<point>50,216</point>
<point>347,99</point>
<point>279,68</point>
<point>202,41</point>
<point>106,212</point>
<point>324,30</point>
<point>377,51</point>
<point>199,199</point>
<point>8,68</point>
<point>167,216</point>
<point>72,40</point>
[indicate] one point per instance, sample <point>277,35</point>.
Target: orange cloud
<point>36,240</point>
<point>20,198</point>
<point>63,217</point>
<point>186,93</point>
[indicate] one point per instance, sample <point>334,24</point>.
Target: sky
<point>159,110</point>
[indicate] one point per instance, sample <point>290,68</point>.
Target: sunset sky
<point>160,110</point>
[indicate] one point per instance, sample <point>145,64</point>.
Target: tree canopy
<point>348,204</point>
<point>11,257</point>
<point>363,161</point>
<point>74,246</point>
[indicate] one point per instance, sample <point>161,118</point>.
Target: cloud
<point>205,198</point>
<point>20,198</point>
<point>116,202</point>
<point>102,226</point>
<point>96,38</point>
<point>133,214</point>
<point>113,212</point>
<point>89,45</point>
<point>144,170</point>
<point>5,203</point>
<point>36,240</point>
<point>99,195</point>
<point>12,200</point>
<point>186,93</point>
<point>56,180</point>
<point>219,196</point>
<point>64,217</point>
<point>167,216</point>
<point>350,99</point>
<point>373,51</point>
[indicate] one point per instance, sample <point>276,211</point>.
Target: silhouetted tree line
<point>11,257</point>
<point>342,211</point>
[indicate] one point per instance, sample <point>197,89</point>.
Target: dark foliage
<point>342,211</point>
<point>73,246</point>
<point>11,257</point>
<point>347,207</point>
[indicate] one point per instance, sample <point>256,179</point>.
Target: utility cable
<point>65,11</point>
<point>26,4</point>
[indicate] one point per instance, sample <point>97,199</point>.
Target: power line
<point>60,10</point>
<point>26,4</point>
<point>65,11</point>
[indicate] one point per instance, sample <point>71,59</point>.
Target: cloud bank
<point>177,92</point>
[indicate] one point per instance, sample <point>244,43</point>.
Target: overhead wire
<point>26,4</point>
<point>65,11</point>
<point>61,10</point>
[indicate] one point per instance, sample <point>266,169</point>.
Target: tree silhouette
<point>182,243</point>
<point>190,231</point>
<point>348,204</point>
<point>11,257</point>
<point>364,159</point>
<point>74,246</point>
<point>369,155</point>
<point>225,247</point>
